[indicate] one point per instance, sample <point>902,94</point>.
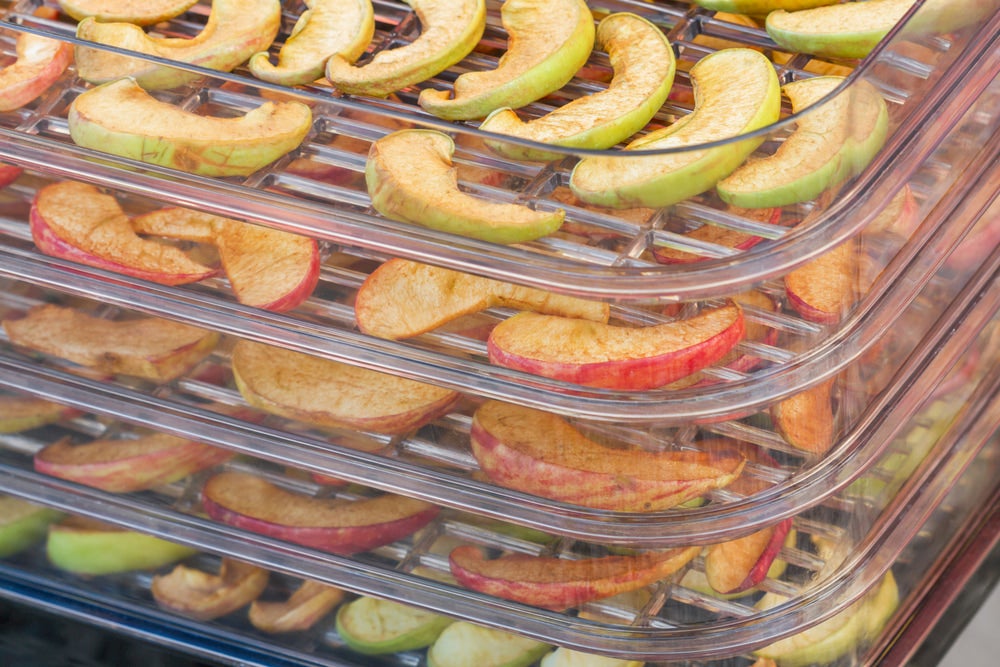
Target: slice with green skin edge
<point>760,7</point>
<point>376,627</point>
<point>736,92</point>
<point>22,524</point>
<point>88,547</point>
<point>564,657</point>
<point>126,11</point>
<point>644,66</point>
<point>847,30</point>
<point>549,40</point>
<point>462,644</point>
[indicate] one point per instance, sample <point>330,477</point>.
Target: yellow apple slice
<point>644,66</point>
<point>22,413</point>
<point>847,30</point>
<point>148,12</point>
<point>236,29</point>
<point>831,143</point>
<point>123,119</point>
<point>327,28</point>
<point>310,602</point>
<point>449,30</point>
<point>736,92</point>
<point>411,178</point>
<point>40,61</point>
<point>549,40</point>
<point>204,596</point>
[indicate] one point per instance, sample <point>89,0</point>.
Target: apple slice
<point>901,216</point>
<point>719,235</point>
<point>122,119</point>
<point>402,298</point>
<point>40,61</point>
<point>557,583</point>
<point>449,30</point>
<point>540,453</point>
<point>78,222</point>
<point>310,602</point>
<point>338,526</point>
<point>327,28</point>
<point>594,354</point>
<point>736,92</point>
<point>235,30</point>
<point>151,348</point>
<point>760,7</point>
<point>144,13</point>
<point>834,139</point>
<point>848,30</point>
<point>332,394</point>
<point>204,596</point>
<point>644,66</point>
<point>411,178</point>
<point>548,41</point>
<point>89,547</point>
<point>824,289</point>
<point>22,524</point>
<point>123,465</point>
<point>377,627</point>
<point>8,174</point>
<point>565,657</point>
<point>23,413</point>
<point>462,644</point>
<point>806,420</point>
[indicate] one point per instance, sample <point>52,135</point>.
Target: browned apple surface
<point>719,235</point>
<point>339,526</point>
<point>310,602</point>
<point>556,583</point>
<point>151,348</point>
<point>203,595</point>
<point>824,289</point>
<point>806,419</point>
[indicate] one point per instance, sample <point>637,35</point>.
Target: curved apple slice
<point>40,61</point>
<point>557,583</point>
<point>831,143</point>
<point>122,119</point>
<point>760,8</point>
<point>644,66</point>
<point>206,596</point>
<point>126,11</point>
<point>463,643</point>
<point>339,526</point>
<point>22,413</point>
<point>327,28</point>
<point>310,602</point>
<point>78,222</point>
<point>449,30</point>
<point>718,235</point>
<point>736,92</point>
<point>23,524</point>
<point>540,453</point>
<point>806,420</point>
<point>88,547</point>
<point>615,357</point>
<point>8,174</point>
<point>548,41</point>
<point>847,30</point>
<point>824,289</point>
<point>235,30</point>
<point>402,298</point>
<point>411,178</point>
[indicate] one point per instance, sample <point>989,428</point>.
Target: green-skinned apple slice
<point>123,119</point>
<point>23,524</point>
<point>8,174</point>
<point>549,40</point>
<point>806,420</point>
<point>327,28</point>
<point>235,30</point>
<point>151,348</point>
<point>128,464</point>
<point>823,290</point>
<point>831,143</point>
<point>403,298</point>
<point>88,547</point>
<point>205,596</point>
<point>410,177</point>
<point>644,66</point>
<point>309,603</point>
<point>540,453</point>
<point>760,7</point>
<point>22,413</point>
<point>564,657</point>
<point>595,354</point>
<point>843,30</point>
<point>462,644</point>
<point>149,12</point>
<point>449,30</point>
<point>40,61</point>
<point>328,393</point>
<point>76,221</point>
<point>338,526</point>
<point>377,627</point>
<point>557,583</point>
<point>736,92</point>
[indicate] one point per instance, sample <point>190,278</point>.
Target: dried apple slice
<point>719,235</point>
<point>540,453</point>
<point>847,30</point>
<point>644,66</point>
<point>310,602</point>
<point>126,11</point>
<point>449,30</point>
<point>548,41</point>
<point>736,92</point>
<point>328,393</point>
<point>151,348</point>
<point>411,178</point>
<point>204,596</point>
<point>564,657</point>
<point>8,174</point>
<point>557,583</point>
<point>338,526</point>
<point>824,289</point>
<point>594,354</point>
<point>122,119</point>
<point>463,643</point>
<point>22,413</point>
<point>806,420</point>
<point>372,626</point>
<point>23,524</point>
<point>235,30</point>
<point>760,7</point>
<point>40,61</point>
<point>89,547</point>
<point>403,298</point>
<point>327,28</point>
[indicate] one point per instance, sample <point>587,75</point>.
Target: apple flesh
<point>88,547</point>
<point>122,119</point>
<point>23,524</point>
<point>341,527</point>
<point>823,290</point>
<point>310,602</point>
<point>463,643</point>
<point>594,354</point>
<point>40,61</point>
<point>564,657</point>
<point>738,565</point>
<point>206,596</point>
<point>126,11</point>
<point>806,420</point>
<point>378,627</point>
<point>718,235</point>
<point>847,30</point>
<point>760,7</point>
<point>8,174</point>
<point>23,413</point>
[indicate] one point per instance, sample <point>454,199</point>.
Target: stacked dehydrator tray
<point>866,431</point>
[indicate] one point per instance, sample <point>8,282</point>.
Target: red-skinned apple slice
<point>338,526</point>
<point>21,413</point>
<point>205,596</point>
<point>823,290</point>
<point>76,221</point>
<point>8,174</point>
<point>40,61</point>
<point>310,602</point>
<point>556,583</point>
<point>806,420</point>
<point>128,464</point>
<point>723,236</point>
<point>540,453</point>
<point>594,354</point>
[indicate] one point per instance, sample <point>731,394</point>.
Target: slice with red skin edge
<point>723,236</point>
<point>310,602</point>
<point>806,420</point>
<point>739,565</point>
<point>8,174</point>
<point>40,61</point>
<point>204,596</point>
<point>824,289</point>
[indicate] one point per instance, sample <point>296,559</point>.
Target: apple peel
<point>40,61</point>
<point>204,596</point>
